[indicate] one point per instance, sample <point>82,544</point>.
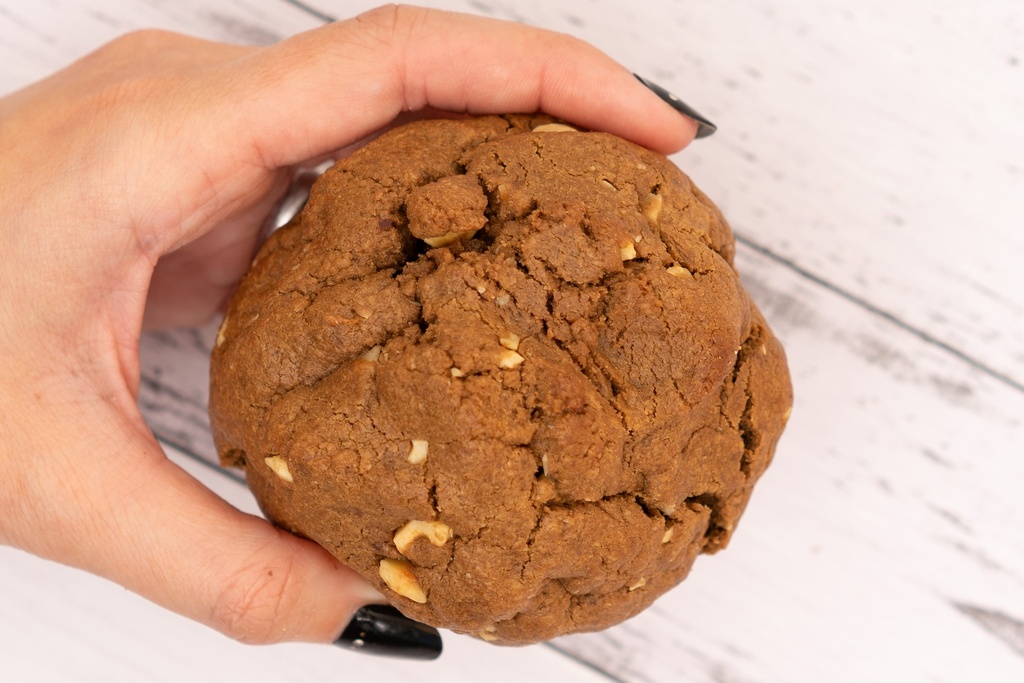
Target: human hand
<point>134,185</point>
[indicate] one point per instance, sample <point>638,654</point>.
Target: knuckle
<point>254,605</point>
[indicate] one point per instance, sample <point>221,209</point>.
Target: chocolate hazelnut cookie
<point>506,371</point>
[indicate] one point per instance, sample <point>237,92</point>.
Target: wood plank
<point>884,543</point>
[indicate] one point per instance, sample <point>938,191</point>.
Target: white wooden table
<point>870,157</point>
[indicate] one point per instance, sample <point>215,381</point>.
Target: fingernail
<point>704,127</point>
<point>383,630</point>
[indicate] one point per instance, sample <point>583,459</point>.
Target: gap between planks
<point>311,11</point>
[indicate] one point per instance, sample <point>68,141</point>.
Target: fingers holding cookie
<point>397,59</point>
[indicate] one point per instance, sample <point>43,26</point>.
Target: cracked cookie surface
<point>510,377</point>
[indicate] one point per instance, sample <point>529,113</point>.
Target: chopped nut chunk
<point>652,206</point>
<point>438,533</point>
<point>280,467</point>
<point>449,238</point>
<point>510,340</point>
<point>509,360</point>
<point>418,452</point>
<point>399,577</point>
<point>627,251</point>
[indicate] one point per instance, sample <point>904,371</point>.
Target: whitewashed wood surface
<point>871,159</point>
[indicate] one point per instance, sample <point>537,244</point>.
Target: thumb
<point>183,547</point>
<point>324,89</point>
<point>107,500</point>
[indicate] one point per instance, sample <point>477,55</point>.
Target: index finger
<point>321,90</point>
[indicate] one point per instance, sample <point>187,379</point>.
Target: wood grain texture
<point>869,159</point>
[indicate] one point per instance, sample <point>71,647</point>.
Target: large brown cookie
<point>505,372</point>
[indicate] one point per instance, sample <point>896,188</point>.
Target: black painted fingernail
<point>383,630</point>
<point>704,127</point>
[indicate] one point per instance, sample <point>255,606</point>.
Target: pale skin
<point>134,184</point>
